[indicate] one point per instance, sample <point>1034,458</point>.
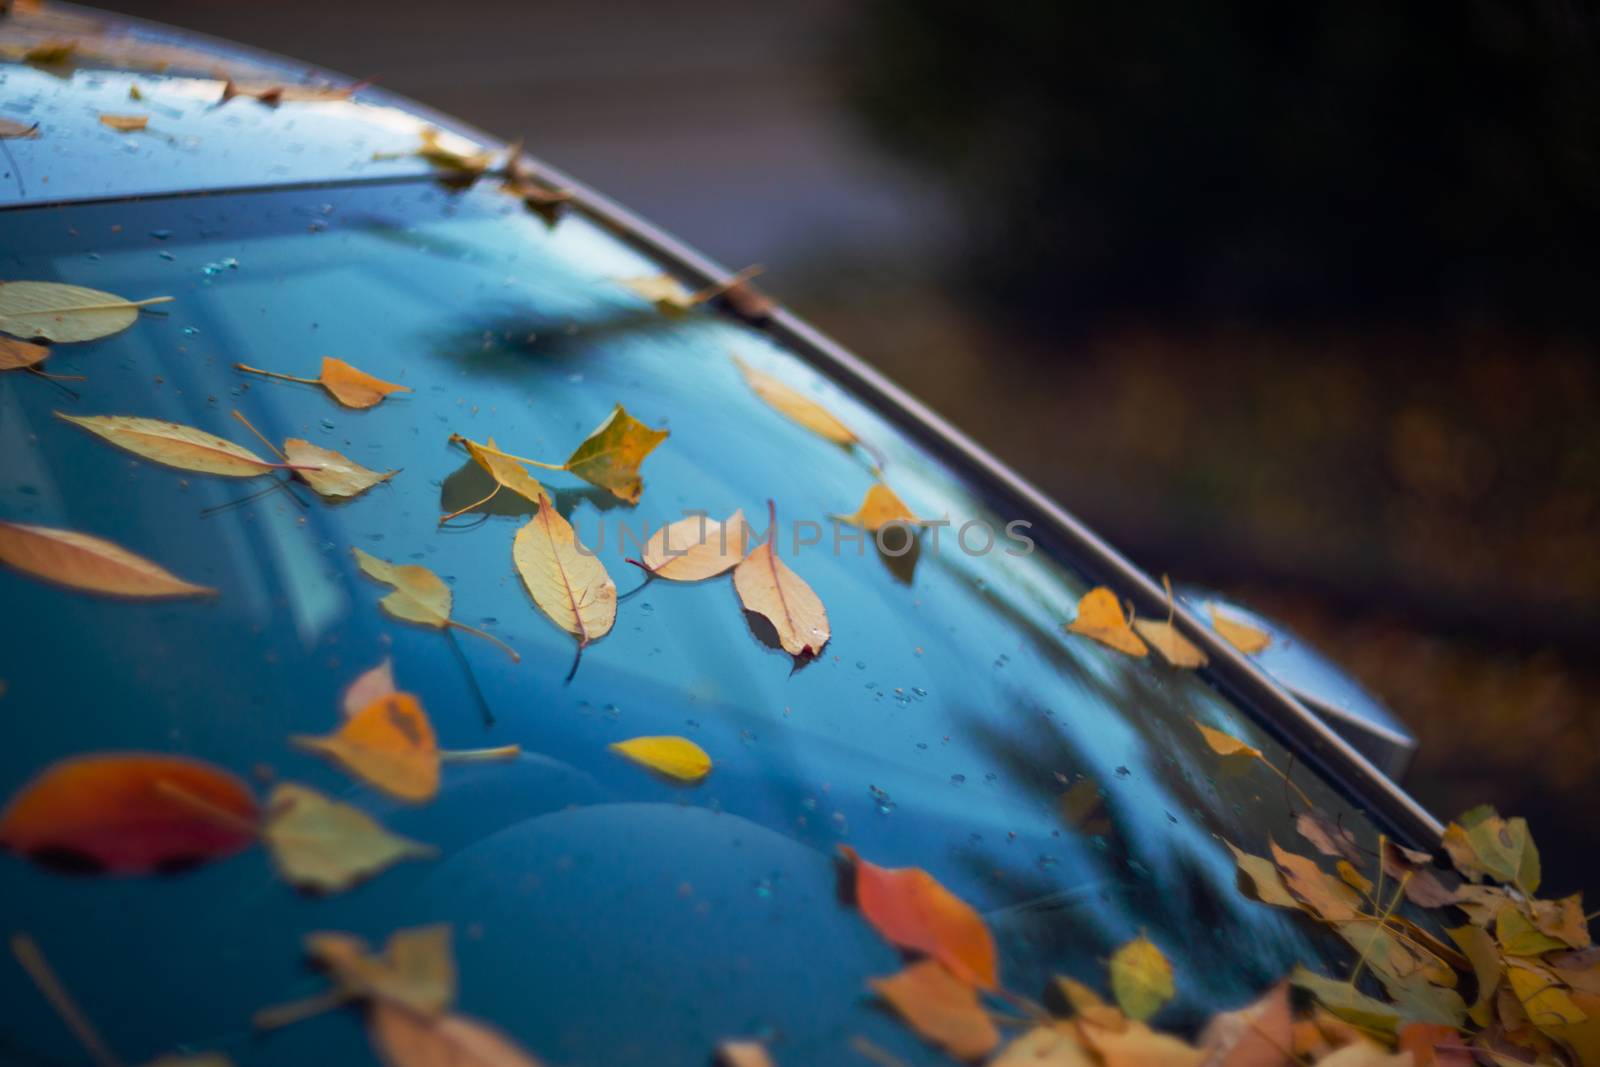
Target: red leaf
<point>129,813</point>
<point>910,908</point>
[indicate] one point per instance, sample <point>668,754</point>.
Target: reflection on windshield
<point>603,915</point>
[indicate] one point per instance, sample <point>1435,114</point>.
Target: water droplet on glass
<point>1123,772</point>
<point>881,799</point>
<point>957,779</point>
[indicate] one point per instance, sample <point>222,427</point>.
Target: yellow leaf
<point>879,508</point>
<point>17,354</point>
<point>88,563</point>
<point>675,757</point>
<point>507,472</point>
<point>453,152</point>
<point>11,129</point>
<point>323,845</point>
<point>768,587</point>
<point>369,686</point>
<point>1549,1004</point>
<point>419,595</point>
<point>1238,633</point>
<point>175,445</point>
<point>1137,1045</point>
<point>406,1039</point>
<point>1261,879</point>
<point>669,295</point>
<point>1352,877</point>
<point>568,583</point>
<point>941,1008</point>
<point>388,744</point>
<point>328,472</point>
<point>274,93</point>
<point>743,1054</point>
<point>796,406</point>
<point>1141,978</point>
<point>125,123</point>
<point>1100,618</point>
<point>610,456</point>
<point>415,970</point>
<point>1348,1002</point>
<point>1479,948</point>
<point>1053,1045</point>
<point>1226,744</point>
<point>1175,648</point>
<point>65,313</point>
<point>696,547</point>
<point>350,386</point>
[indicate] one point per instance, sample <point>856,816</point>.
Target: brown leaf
<point>1140,1046</point>
<point>1084,809</point>
<point>909,907</point>
<point>1238,633</point>
<point>328,472</point>
<point>1256,1035</point>
<point>1175,648</point>
<point>796,406</point>
<point>1435,1045</point>
<point>349,385</point>
<point>175,445</point>
<point>1226,744</point>
<point>941,1008</point>
<point>274,93</point>
<point>66,313</point>
<point>1426,887</point>
<point>1322,894</point>
<point>1562,919</point>
<point>879,508</point>
<point>15,355</point>
<point>1100,618</point>
<point>88,563</point>
<point>1328,837</point>
<point>768,587</point>
<point>405,1039</point>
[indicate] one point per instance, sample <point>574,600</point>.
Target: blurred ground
<point>1420,497</point>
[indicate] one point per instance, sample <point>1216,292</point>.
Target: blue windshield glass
<point>602,915</point>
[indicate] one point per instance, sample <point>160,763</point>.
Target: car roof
<point>63,67</point>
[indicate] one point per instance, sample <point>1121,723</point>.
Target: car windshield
<point>602,914</point>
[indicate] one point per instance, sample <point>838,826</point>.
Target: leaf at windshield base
<point>125,123</point>
<point>89,564</point>
<point>66,313</point>
<point>389,744</point>
<point>1100,618</point>
<point>1141,978</point>
<point>909,907</point>
<point>676,757</point>
<point>11,129</point>
<point>323,845</point>
<point>941,1008</point>
<point>1176,649</point>
<point>129,813</point>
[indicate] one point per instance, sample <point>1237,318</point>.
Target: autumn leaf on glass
<point>350,386</point>
<point>507,473</point>
<point>879,508</point>
<point>536,193</point>
<point>175,445</point>
<point>274,93</point>
<point>329,474</point>
<point>609,457</point>
<point>415,969</point>
<point>671,298</point>
<point>323,845</point>
<point>801,409</point>
<point>406,1039</point>
<point>125,123</point>
<point>696,548</point>
<point>89,564</point>
<point>1141,978</point>
<point>941,1008</point>
<point>419,596</point>
<point>677,758</point>
<point>768,588</point>
<point>1238,633</point>
<point>389,744</point>
<point>11,129</point>
<point>1100,618</point>
<point>567,582</point>
<point>913,911</point>
<point>66,313</point>
<point>129,813</point>
<point>743,1054</point>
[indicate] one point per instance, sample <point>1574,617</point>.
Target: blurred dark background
<point>1294,300</point>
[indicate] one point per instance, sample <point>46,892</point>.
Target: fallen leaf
<point>1087,1005</point>
<point>1137,1045</point>
<point>1562,919</point>
<point>175,445</point>
<point>1479,948</point>
<point>1226,744</point>
<point>1482,843</point>
<point>1100,618</point>
<point>66,313</point>
<point>419,596</point>
<point>1548,1003</point>
<point>1238,633</point>
<point>415,970</point>
<point>747,302</point>
<point>1365,1054</point>
<point>940,1008</point>
<point>696,548</point>
<point>1256,1035</point>
<point>125,123</point>
<point>796,406</point>
<point>129,813</point>
<point>1323,895</point>
<point>610,456</point>
<point>1141,978</point>
<point>1261,874</point>
<point>768,587</point>
<point>1434,1045</point>
<point>350,386</point>
<point>406,1039</point>
<point>88,563</point>
<point>10,129</point>
<point>675,757</point>
<point>329,473</point>
<point>1053,1045</point>
<point>274,93</point>
<point>1328,837</point>
<point>369,686</point>
<point>323,845</point>
<point>879,508</point>
<point>1084,809</point>
<point>1348,1002</point>
<point>1353,878</point>
<point>1175,648</point>
<point>567,581</point>
<point>15,355</point>
<point>670,296</point>
<point>389,744</point>
<point>909,907</point>
<point>743,1054</point>
<point>453,152</point>
<point>1519,937</point>
<point>508,473</point>
<point>1424,886</point>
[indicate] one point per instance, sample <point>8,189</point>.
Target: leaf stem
<point>57,377</point>
<point>297,1010</point>
<point>476,503</point>
<point>515,658</point>
<point>112,307</point>
<point>205,807</point>
<point>477,755</point>
<point>260,436</point>
<point>38,968</point>
<point>274,374</point>
<point>524,459</point>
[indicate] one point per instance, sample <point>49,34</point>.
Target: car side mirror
<point>1335,697</point>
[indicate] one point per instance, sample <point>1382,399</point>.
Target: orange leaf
<point>15,354</point>
<point>909,907</point>
<point>941,1008</point>
<point>129,813</point>
<point>405,1039</point>
<point>768,587</point>
<point>125,123</point>
<point>88,563</point>
<point>350,386</point>
<point>388,744</point>
<point>1100,618</point>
